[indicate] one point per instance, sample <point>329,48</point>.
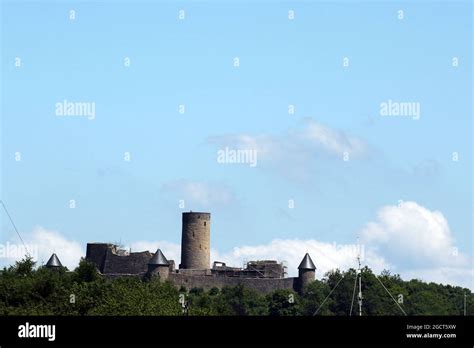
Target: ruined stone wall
<point>132,264</point>
<point>196,272</point>
<point>96,252</point>
<point>262,285</point>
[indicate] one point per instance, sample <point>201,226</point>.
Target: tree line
<point>29,290</point>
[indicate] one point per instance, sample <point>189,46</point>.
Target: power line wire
<point>390,295</point>
<point>14,226</point>
<point>316,312</point>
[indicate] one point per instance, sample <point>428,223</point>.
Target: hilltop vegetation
<point>28,290</point>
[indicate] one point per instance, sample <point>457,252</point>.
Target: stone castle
<point>195,270</point>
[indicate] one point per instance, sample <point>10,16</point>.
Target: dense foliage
<point>27,290</point>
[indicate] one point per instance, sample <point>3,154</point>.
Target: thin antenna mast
<point>358,282</point>
<point>359,274</point>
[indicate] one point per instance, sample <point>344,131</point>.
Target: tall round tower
<point>196,241</point>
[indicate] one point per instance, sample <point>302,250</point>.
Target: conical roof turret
<point>159,259</point>
<point>53,261</point>
<point>307,263</point>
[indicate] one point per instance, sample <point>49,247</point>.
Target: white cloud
<point>197,194</point>
<point>413,234</point>
<point>41,244</point>
<point>420,243</point>
<point>334,141</point>
<point>311,138</point>
<point>297,152</point>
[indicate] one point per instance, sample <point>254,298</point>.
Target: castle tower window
<point>204,223</point>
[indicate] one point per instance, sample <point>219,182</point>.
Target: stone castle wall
<point>262,285</point>
<point>103,256</point>
<point>131,264</point>
<point>96,253</point>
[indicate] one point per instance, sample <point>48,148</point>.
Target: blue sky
<point>173,156</point>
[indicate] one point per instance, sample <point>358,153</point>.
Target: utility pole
<point>464,304</point>
<point>359,273</point>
